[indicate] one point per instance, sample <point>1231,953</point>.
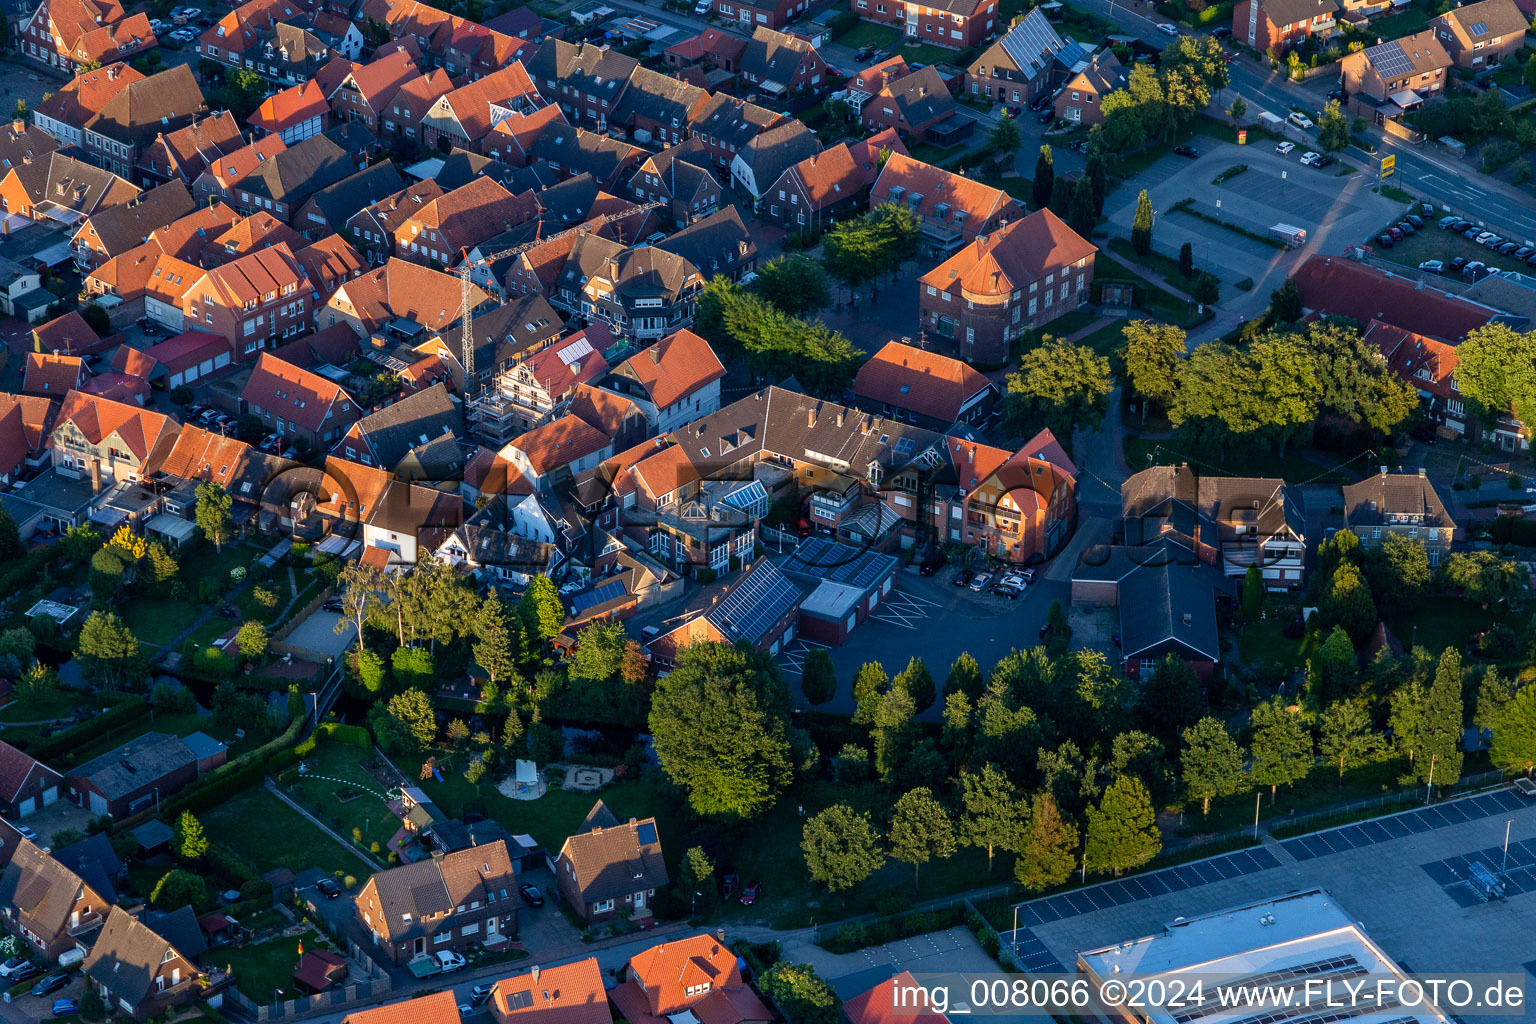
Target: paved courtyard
<point>1390,875</point>
<point>1335,210</point>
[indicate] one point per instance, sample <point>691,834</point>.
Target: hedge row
<point>125,713</point>
<point>218,789</point>
<point>858,934</point>
<point>327,732</point>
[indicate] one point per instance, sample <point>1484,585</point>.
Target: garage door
<point>27,807</point>
<point>50,795</point>
<point>98,804</point>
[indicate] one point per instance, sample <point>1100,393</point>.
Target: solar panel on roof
<point>1479,29</point>
<point>608,591</point>
<point>1390,60</point>
<point>755,603</point>
<point>646,833</point>
<point>575,350</point>
<point>519,1000</point>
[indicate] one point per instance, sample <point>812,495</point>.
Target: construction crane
<point>466,270</point>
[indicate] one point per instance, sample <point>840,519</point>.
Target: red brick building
<point>955,24</point>
<point>262,296</point>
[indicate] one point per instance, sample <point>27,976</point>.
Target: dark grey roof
<point>772,152</point>
<point>180,928</point>
<point>753,604</point>
<point>137,763</point>
<point>342,201</point>
<point>1032,43</point>
<point>523,323</point>
<point>598,817</point>
<point>574,151</point>
<point>1170,602</point>
<point>121,227</point>
<point>731,121</point>
<point>567,203</point>
<point>715,244</point>
<point>94,860</point>
<point>414,420</point>
<point>922,96</point>
<point>299,171</point>
<point>773,56</point>
<point>460,167</point>
<point>143,109</point>
<point>202,745</point>
<point>660,98</point>
<point>439,884</point>
<point>1375,500</point>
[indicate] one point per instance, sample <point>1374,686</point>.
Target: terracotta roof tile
<point>298,395</point>
<point>1012,257</point>
<point>674,367</point>
<point>559,443</point>
<point>906,377</point>
<point>572,992</point>
<point>293,106</point>
<point>98,418</point>
<point>1342,287</point>
<point>203,455</point>
<point>437,1008</point>
<point>51,375</point>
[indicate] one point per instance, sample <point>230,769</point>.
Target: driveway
<point>541,929</point>
<point>49,821</point>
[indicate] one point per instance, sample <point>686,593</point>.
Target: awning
<point>527,772</point>
<point>176,528</point>
<point>342,547</point>
<point>1406,98</point>
<point>57,254</point>
<point>60,214</point>
<point>772,88</point>
<point>428,168</point>
<point>108,516</point>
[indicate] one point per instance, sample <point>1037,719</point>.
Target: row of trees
<point>1274,390</point>
<point>1156,103</point>
<point>773,343</point>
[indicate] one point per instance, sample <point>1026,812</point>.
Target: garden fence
<point>1401,798</point>
<point>249,1009</point>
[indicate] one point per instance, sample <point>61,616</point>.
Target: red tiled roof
<point>119,387</point>
<point>292,106</point>
<point>187,350</point>
<point>231,167</point>
<point>379,80</point>
<point>98,418</point>
<point>878,1005</point>
<point>866,153</point>
<point>255,274</point>
<point>1012,257</point>
<point>51,375</point>
<point>203,455</point>
<point>701,963</point>
<point>674,367</point>
<point>662,472</point>
<point>572,992</point>
<point>471,104</point>
<point>16,766</point>
<point>1427,364</point>
<point>559,443</point>
<point>23,421</point>
<point>186,236</point>
<point>924,382</point>
<point>1342,287</point>
<point>936,185</point>
<point>67,333</point>
<point>601,409</point>
<point>437,1008</point>
<point>489,473</point>
<point>295,394</point>
<point>689,49</point>
<point>558,370</point>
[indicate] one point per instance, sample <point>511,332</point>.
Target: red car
<point>750,894</point>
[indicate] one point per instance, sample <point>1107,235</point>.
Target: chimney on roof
<point>839,417</point>
<point>1189,619</point>
<point>1383,472</point>
<point>535,972</point>
<point>810,417</point>
<point>1421,472</point>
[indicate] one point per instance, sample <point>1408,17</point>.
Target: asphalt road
<point>1420,169</point>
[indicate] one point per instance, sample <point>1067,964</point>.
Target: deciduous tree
<point>1048,852</point>
<point>1514,737</point>
<point>818,678</point>
<point>107,648</point>
<point>1060,386</point>
<point>212,512</point>
<point>1212,762</point>
<point>1282,746</point>
<point>920,830</point>
<point>1347,738</point>
<point>841,847</point>
<point>1152,355</point>
<point>992,814</point>
<point>412,713</point>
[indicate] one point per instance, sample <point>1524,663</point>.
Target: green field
<point>867,33</point>
<point>264,971</point>
<point>247,823</point>
<point>339,791</point>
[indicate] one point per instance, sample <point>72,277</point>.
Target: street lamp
<point>1505,866</point>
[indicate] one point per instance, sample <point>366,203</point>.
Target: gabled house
<point>137,113</point>
<point>659,106</point>
<point>443,229</point>
<point>373,226</point>
<point>283,182</point>
<point>1406,504</point>
<point>23,434</point>
<point>527,393</point>
<point>331,208</point>
<point>566,443</point>
<point>574,992</point>
<point>219,178</point>
<point>1018,67</point>
<point>1283,25</point>
<point>190,357</point>
<point>760,161</point>
<point>503,335</point>
<point>699,976</point>
<point>775,14</point>
<point>61,188</point>
<point>1081,99</point>
<point>365,91</point>
<point>255,300</point>
<point>24,143</point>
<point>385,436</point>
<point>1483,34</point>
<point>442,903</point>
<point>138,972</point>
<point>952,210</point>
<point>400,293</point>
<point>725,125</point>
<point>109,442</point>
<point>569,152</point>
<point>1023,275</point>
<point>953,24</point>
<point>436,1008</point>
<point>717,244</point>
<point>675,381</point>
<point>72,34</point>
<point>467,114</point>
<point>1389,79</point>
<point>817,190</point>
<point>777,63</point>
<point>639,293</point>
<point>587,80</point>
<point>47,905</point>
<point>51,376</point>
<point>81,99</point>
<point>187,152</point>
<point>297,403</point>
<point>610,869</point>
<point>923,388</point>
<point>26,784</point>
<point>402,115</point>
<point>329,263</point>
<point>679,176</point>
<point>296,113</point>
<point>114,230</point>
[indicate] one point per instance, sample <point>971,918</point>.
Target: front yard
<point>867,33</point>
<point>264,971</point>
<point>301,846</point>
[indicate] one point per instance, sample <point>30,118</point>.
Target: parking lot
<point>1410,857</point>
<point>1335,210</point>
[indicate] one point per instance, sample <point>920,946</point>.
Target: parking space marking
<point>903,609</point>
<point>792,657</point>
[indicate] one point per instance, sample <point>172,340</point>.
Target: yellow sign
<point>1242,136</point>
<point>1388,166</point>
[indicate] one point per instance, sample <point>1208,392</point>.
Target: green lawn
<point>1166,267</point>
<point>302,584</point>
<point>1019,188</point>
<point>1266,640</point>
<point>926,53</point>
<point>867,33</point>
<point>264,971</point>
<point>157,620</point>
<point>60,706</point>
<point>353,802</point>
<point>1106,340</point>
<point>1436,623</point>
<point>1154,301</point>
<point>302,846</point>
